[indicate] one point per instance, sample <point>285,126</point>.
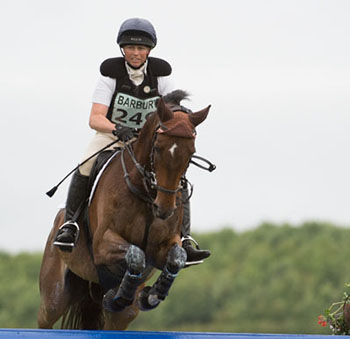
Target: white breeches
<point>99,141</point>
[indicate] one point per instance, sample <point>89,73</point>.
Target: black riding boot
<point>194,254</point>
<point>67,234</point>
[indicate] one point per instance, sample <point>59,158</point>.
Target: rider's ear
<point>164,112</point>
<point>198,117</point>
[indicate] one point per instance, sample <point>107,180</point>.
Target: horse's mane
<point>172,99</point>
<point>175,97</point>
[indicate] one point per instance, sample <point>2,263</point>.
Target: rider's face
<point>136,55</point>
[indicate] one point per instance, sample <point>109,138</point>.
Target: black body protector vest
<point>131,104</point>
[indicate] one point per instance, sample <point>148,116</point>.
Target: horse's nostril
<point>162,213</point>
<point>155,207</point>
<point>156,210</point>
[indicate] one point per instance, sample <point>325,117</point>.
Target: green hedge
<point>273,279</point>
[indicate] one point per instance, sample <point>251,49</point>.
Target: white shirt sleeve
<point>166,85</point>
<point>104,90</point>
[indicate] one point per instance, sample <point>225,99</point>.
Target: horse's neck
<point>143,145</point>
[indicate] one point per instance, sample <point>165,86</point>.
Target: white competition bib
<point>131,111</point>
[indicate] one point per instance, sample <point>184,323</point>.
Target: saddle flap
<point>102,161</point>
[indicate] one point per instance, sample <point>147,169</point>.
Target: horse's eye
<point>156,149</point>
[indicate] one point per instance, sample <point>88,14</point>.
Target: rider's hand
<point>123,133</point>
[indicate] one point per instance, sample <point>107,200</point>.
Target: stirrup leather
<point>76,235</point>
<point>192,263</point>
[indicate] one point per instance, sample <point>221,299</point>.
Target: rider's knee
<point>85,169</point>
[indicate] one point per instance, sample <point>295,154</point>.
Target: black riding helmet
<point>137,31</point>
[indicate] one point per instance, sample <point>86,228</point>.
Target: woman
<point>126,92</point>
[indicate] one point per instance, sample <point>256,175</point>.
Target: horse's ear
<point>164,112</point>
<point>198,117</point>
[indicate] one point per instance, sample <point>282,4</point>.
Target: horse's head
<point>173,146</point>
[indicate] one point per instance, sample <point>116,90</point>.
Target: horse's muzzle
<point>162,213</point>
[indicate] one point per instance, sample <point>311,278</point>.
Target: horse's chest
<point>132,228</point>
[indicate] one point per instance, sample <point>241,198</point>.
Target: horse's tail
<point>175,97</point>
<point>84,313</point>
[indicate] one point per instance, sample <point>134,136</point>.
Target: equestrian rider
<point>137,77</point>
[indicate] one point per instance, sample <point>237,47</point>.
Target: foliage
<point>273,279</point>
<point>338,315</point>
<point>19,289</point>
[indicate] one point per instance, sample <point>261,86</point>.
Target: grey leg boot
<point>67,234</point>
<point>194,254</point>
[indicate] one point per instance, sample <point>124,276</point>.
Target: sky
<point>276,72</point>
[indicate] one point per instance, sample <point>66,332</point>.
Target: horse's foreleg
<point>150,297</point>
<point>115,301</point>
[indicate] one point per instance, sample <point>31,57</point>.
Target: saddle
<point>100,162</point>
<point>107,279</point>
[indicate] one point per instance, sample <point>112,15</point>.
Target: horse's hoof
<point>111,304</point>
<point>108,301</point>
<point>147,301</point>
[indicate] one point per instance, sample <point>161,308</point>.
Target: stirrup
<point>192,263</point>
<point>68,246</point>
<point>188,237</point>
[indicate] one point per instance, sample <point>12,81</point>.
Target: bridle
<point>149,177</point>
<point>149,181</point>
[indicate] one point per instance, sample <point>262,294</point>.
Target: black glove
<point>123,133</point>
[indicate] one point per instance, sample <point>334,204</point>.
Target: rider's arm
<point>98,120</point>
<point>101,99</point>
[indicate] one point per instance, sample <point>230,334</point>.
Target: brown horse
<point>135,225</point>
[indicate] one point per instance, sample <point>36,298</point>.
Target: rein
<point>53,190</point>
<point>153,177</point>
<point>146,198</point>
<point>149,178</point>
<point>211,167</point>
